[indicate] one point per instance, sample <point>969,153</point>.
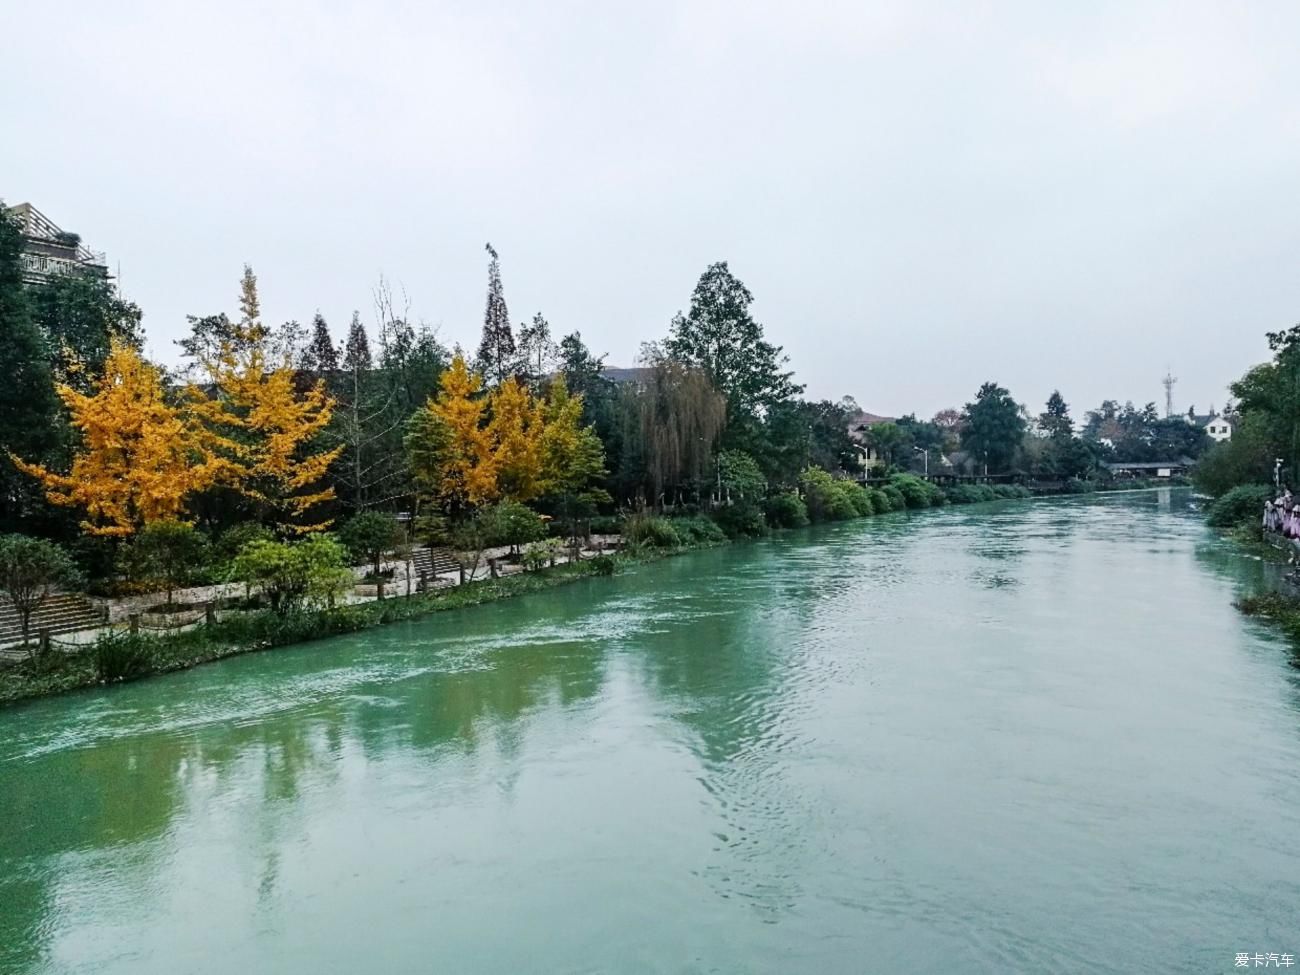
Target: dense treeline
<point>1265,447</point>
<point>268,436</point>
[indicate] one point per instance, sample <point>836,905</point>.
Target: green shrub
<point>232,541</point>
<point>1008,492</point>
<point>535,556</point>
<point>895,497</point>
<point>171,552</point>
<point>787,510</point>
<point>1076,485</point>
<point>1241,505</point>
<point>514,524</point>
<point>970,493</point>
<point>312,570</point>
<point>858,497</point>
<point>368,535</point>
<point>607,525</point>
<point>651,531</point>
<point>916,492</point>
<point>824,497</point>
<point>122,656</point>
<point>604,565</point>
<point>698,530</point>
<point>879,501</point>
<point>741,519</point>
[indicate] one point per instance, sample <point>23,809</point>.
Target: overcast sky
<point>920,196</point>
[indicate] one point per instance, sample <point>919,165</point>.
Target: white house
<point>1219,427</point>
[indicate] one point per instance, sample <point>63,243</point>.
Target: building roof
<point>631,374</point>
<point>865,419</point>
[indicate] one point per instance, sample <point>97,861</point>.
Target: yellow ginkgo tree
<point>516,434</point>
<point>449,447</point>
<point>263,426</point>
<point>140,457</point>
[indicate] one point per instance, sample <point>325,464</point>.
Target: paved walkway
<point>121,610</point>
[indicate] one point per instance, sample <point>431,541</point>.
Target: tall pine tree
<point>719,336</point>
<point>496,352</point>
<point>320,357</point>
<point>356,355</point>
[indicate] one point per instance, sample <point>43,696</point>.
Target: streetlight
<point>1277,472</point>
<point>926,452</point>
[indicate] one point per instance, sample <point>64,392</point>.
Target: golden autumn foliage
<point>515,433</point>
<point>140,458</point>
<point>451,453</point>
<point>467,450</point>
<point>263,426</point>
<point>571,454</point>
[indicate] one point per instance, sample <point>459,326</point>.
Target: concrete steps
<point>431,562</point>
<point>58,613</point>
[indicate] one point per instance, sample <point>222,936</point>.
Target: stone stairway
<point>58,613</point>
<point>430,562</point>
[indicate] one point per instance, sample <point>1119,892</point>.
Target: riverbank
<point>122,657</point>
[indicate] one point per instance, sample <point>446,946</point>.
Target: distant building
<point>632,374</point>
<point>1216,425</point>
<point>50,251</point>
<point>860,424</point>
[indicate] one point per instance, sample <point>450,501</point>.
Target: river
<point>1007,738</point>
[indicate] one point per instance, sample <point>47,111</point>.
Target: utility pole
<point>1168,382</point>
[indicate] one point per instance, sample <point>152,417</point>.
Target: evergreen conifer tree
<point>496,352</point>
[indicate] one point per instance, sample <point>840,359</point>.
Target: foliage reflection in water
<point>1004,738</point>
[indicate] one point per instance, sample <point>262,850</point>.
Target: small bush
<point>858,497</point>
<point>787,510</point>
<point>879,501</point>
<point>970,493</point>
<point>514,524</point>
<point>120,657</point>
<point>607,525</point>
<point>1076,485</point>
<point>651,531</point>
<point>826,498</point>
<point>895,497</point>
<point>535,556</point>
<point>741,519</point>
<point>698,530</point>
<point>1241,505</point>
<point>604,565</point>
<point>367,536</point>
<point>916,492</point>
<point>233,540</point>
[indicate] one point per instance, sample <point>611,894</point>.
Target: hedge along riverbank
<point>120,657</point>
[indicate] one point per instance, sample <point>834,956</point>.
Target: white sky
<point>921,196</point>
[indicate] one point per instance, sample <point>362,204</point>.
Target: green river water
<point>1015,738</point>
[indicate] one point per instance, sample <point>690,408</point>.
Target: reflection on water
<point>1004,738</point>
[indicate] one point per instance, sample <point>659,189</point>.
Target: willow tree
<point>140,458</point>
<point>672,421</point>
